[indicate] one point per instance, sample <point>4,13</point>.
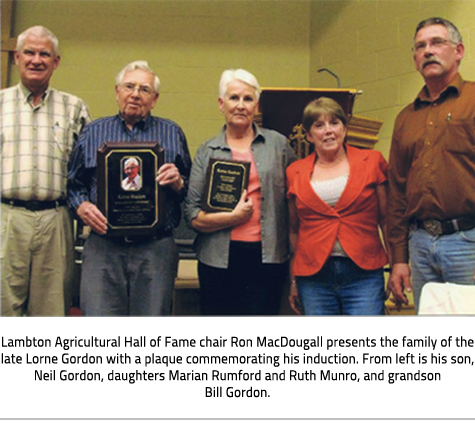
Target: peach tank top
<point>250,231</point>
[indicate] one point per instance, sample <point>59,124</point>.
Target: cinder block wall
<point>368,44</point>
<point>283,42</point>
<point>188,43</point>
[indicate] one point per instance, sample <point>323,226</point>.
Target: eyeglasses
<point>131,87</point>
<point>436,42</point>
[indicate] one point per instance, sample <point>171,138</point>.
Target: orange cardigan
<point>354,219</point>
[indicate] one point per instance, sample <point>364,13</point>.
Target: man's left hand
<point>168,175</point>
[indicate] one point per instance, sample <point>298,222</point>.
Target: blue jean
<point>342,288</point>
<point>447,258</point>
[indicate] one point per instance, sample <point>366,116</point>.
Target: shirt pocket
<point>61,135</point>
<point>460,137</point>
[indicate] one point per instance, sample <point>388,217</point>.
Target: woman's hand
<point>244,209</point>
<point>212,222</point>
<point>294,299</point>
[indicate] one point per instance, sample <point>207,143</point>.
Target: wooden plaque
<point>127,192</point>
<point>226,179</point>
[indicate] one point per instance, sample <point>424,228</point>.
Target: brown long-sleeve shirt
<point>432,162</point>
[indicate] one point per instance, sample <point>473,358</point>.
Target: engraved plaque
<point>226,179</point>
<point>127,192</point>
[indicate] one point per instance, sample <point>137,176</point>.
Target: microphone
<point>332,74</point>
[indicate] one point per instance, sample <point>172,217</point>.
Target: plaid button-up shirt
<point>37,141</point>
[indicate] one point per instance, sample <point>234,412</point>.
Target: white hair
<point>40,32</point>
<point>230,75</point>
<point>143,65</point>
<point>131,161</point>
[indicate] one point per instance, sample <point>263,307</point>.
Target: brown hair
<point>322,106</point>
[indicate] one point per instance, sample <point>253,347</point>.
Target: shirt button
<point>428,143</point>
<point>431,123</point>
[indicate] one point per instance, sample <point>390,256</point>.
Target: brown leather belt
<point>34,205</point>
<point>446,227</point>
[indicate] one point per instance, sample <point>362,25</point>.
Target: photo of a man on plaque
<point>132,170</point>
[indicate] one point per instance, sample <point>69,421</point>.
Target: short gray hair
<point>454,33</point>
<point>131,161</point>
<point>143,65</point>
<point>40,32</point>
<point>230,75</point>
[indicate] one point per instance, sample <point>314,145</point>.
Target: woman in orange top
<point>337,202</point>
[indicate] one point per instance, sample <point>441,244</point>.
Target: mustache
<point>430,60</point>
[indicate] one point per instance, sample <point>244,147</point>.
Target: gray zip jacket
<point>272,154</point>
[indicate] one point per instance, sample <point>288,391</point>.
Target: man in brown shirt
<point>431,205</point>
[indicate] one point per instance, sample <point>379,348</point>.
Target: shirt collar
<point>144,124</point>
<point>28,95</point>
<point>220,140</point>
<point>455,87</point>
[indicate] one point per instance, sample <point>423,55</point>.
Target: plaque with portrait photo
<point>127,191</point>
<point>226,179</point>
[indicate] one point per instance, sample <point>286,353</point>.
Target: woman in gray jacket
<point>242,254</point>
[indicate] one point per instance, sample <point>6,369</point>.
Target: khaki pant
<point>37,259</point>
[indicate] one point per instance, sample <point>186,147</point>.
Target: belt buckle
<point>33,206</point>
<point>433,227</point>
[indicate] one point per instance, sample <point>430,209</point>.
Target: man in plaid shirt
<point>39,126</point>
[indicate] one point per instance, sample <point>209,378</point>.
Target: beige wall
<point>188,43</point>
<point>368,44</point>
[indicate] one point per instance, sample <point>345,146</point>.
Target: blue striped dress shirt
<point>82,176</point>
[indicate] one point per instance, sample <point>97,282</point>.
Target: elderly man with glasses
<point>129,276</point>
<point>431,217</point>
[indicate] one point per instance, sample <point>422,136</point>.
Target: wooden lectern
<point>282,109</point>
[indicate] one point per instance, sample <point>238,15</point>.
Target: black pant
<point>247,287</point>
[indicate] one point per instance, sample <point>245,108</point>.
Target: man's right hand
<point>92,217</point>
<point>400,281</point>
